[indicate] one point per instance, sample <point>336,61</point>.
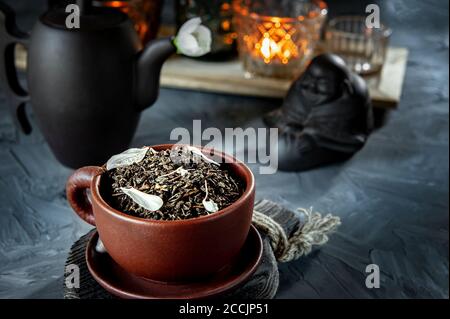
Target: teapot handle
<point>10,35</point>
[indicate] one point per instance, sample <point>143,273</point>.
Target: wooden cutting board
<point>230,78</point>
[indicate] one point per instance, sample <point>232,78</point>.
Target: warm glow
<point>226,25</point>
<point>114,4</point>
<point>137,16</point>
<point>281,44</point>
<point>225,6</point>
<point>276,43</point>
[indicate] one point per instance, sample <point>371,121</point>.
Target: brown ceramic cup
<point>181,250</point>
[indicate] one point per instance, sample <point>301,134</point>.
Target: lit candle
<point>276,44</point>
<point>281,45</point>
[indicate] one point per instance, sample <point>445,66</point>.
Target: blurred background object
<point>217,16</point>
<point>145,14</point>
<point>278,38</point>
<point>362,48</point>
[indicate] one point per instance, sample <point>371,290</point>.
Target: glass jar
<point>362,48</point>
<point>278,38</point>
<point>217,16</point>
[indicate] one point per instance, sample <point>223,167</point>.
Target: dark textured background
<point>392,196</point>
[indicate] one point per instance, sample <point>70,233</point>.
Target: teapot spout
<point>148,70</point>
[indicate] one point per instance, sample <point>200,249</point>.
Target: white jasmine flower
<point>193,38</point>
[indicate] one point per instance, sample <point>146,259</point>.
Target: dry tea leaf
<point>209,205</point>
<point>130,156</point>
<point>198,152</point>
<point>147,201</point>
<point>181,186</point>
<point>180,170</point>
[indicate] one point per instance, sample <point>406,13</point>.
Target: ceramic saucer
<point>125,285</point>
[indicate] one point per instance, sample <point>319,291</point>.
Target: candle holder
<point>277,38</point>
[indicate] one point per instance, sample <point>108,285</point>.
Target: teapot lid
<point>91,18</point>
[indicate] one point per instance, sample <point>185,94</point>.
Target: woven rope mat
<point>263,284</point>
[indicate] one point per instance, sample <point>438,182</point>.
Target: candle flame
<point>269,49</point>
<point>276,41</point>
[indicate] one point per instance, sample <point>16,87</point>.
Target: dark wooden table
<point>392,196</point>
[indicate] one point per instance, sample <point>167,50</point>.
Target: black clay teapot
<point>87,85</point>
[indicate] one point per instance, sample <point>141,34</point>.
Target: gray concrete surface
<point>392,196</point>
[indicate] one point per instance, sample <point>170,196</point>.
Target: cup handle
<point>77,185</point>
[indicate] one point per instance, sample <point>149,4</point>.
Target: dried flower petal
<point>180,170</point>
<point>147,201</point>
<point>198,152</point>
<point>209,205</point>
<point>130,156</point>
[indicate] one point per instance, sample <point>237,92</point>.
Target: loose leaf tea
<point>197,152</point>
<point>180,170</point>
<point>187,188</point>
